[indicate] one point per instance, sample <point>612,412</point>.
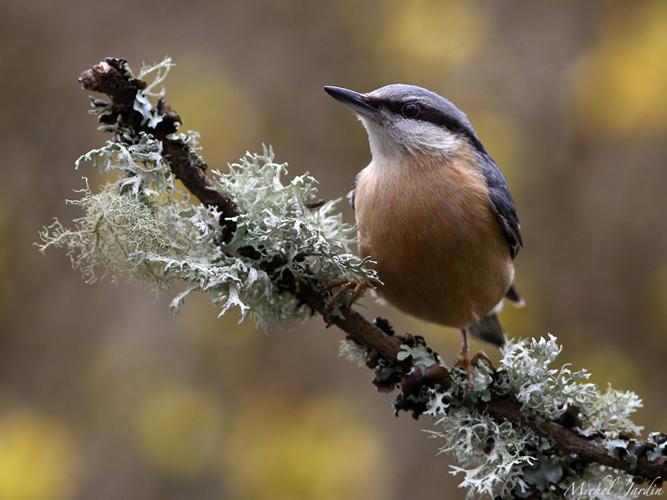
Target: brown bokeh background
<point>104,394</point>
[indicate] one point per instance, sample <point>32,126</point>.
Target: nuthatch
<point>434,211</point>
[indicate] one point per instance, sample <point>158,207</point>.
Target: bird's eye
<point>410,110</point>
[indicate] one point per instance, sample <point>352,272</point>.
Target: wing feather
<point>502,202</point>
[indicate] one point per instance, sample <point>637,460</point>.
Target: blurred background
<point>104,394</point>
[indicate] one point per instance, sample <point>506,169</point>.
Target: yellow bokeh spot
<point>526,321</point>
<point>218,334</point>
<point>434,34</point>
<point>610,365</point>
<point>620,84</point>
<point>179,431</point>
<point>504,140</point>
<point>217,107</point>
<point>38,459</point>
<point>310,451</point>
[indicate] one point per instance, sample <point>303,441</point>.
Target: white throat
<point>398,141</point>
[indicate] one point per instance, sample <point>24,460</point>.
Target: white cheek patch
<point>400,137</point>
<point>419,136</point>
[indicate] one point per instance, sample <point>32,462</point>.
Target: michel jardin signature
<point>612,486</point>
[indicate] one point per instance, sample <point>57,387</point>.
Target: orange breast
<point>439,248</point>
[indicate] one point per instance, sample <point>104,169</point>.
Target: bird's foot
<point>356,288</point>
<point>481,356</point>
<point>467,362</point>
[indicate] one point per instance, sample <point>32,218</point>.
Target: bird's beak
<point>357,102</point>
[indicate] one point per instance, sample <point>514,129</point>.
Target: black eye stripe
<point>426,114</point>
<point>433,115</point>
<point>433,108</point>
<point>394,106</point>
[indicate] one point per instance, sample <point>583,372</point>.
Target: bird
<point>434,212</point>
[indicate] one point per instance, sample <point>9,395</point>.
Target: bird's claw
<point>466,363</point>
<point>481,356</point>
<point>356,287</point>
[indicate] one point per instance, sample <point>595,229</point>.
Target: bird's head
<point>406,120</point>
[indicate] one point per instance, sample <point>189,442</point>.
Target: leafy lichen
<point>103,241</point>
<point>352,351</point>
<point>144,225</point>
<point>490,455</point>
<point>610,414</point>
<point>503,460</point>
<point>525,370</point>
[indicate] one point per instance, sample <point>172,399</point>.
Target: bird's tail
<point>488,329</point>
<point>515,297</point>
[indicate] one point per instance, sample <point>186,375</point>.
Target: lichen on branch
<point>501,459</point>
<point>143,225</point>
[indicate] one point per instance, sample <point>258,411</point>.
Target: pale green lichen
<point>526,370</point>
<point>659,442</point>
<point>102,242</point>
<point>143,224</point>
<point>490,455</point>
<point>352,351</point>
<point>155,75</point>
<point>275,220</point>
<point>503,460</point>
<point>420,355</point>
<point>610,414</point>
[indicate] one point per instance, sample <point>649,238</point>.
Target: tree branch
<point>112,77</point>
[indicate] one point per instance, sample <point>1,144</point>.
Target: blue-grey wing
<point>502,202</point>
